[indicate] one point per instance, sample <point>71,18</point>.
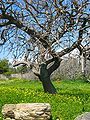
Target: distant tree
<point>44,31</point>
<point>4,66</point>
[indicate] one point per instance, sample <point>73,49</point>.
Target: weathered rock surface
<point>27,111</point>
<point>84,116</point>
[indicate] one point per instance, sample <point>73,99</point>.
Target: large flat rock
<point>27,111</point>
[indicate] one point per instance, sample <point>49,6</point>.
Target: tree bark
<point>45,79</point>
<point>45,75</point>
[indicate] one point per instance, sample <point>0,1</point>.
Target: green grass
<point>72,99</point>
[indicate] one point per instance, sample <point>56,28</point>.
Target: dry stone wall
<point>3,77</point>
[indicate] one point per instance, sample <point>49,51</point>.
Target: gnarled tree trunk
<point>45,79</point>
<point>45,76</point>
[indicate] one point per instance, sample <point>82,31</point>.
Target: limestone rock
<point>84,116</point>
<point>27,111</point>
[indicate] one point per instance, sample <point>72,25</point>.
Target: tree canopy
<point>51,24</point>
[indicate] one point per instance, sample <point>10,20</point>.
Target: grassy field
<point>72,99</point>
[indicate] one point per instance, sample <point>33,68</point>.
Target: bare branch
<point>77,43</point>
<point>17,63</point>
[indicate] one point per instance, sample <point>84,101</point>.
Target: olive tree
<point>43,31</point>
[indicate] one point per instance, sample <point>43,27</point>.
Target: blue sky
<point>5,55</point>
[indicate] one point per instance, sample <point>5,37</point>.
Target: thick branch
<point>5,24</point>
<point>80,49</point>
<point>49,61</point>
<point>55,65</point>
<point>18,23</point>
<point>17,63</point>
<point>29,31</point>
<point>3,38</point>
